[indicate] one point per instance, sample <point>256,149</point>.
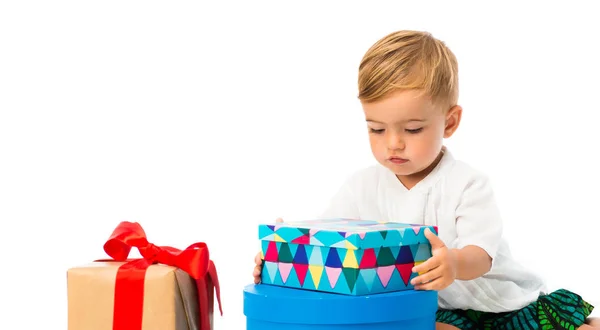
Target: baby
<point>408,88</point>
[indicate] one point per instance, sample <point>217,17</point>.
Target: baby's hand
<point>258,262</point>
<point>439,271</point>
<point>257,268</point>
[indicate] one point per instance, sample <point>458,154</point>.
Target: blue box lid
<point>345,233</point>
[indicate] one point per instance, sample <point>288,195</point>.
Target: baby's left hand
<point>439,271</point>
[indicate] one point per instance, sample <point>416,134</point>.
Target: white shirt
<point>460,201</point>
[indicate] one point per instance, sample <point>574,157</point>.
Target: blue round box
<point>269,307</point>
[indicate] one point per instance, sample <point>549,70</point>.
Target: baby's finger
<point>256,271</point>
<point>427,277</point>
<point>258,259</point>
<point>428,265</point>
<point>436,285</point>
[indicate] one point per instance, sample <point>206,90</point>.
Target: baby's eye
<point>376,131</point>
<point>414,131</point>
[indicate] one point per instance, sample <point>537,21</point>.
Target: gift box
<point>166,289</point>
<point>345,256</point>
<point>268,307</point>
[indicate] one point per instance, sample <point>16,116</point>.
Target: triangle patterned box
<point>345,256</point>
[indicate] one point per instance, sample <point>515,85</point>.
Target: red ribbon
<point>129,287</point>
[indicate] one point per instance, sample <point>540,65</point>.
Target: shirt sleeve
<point>343,204</point>
<point>478,220</point>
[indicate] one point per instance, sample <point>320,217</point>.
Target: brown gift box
<point>170,296</point>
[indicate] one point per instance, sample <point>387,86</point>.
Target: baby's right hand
<point>258,262</point>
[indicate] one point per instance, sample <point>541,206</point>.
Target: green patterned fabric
<point>561,309</point>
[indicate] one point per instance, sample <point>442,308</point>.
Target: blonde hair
<point>409,60</point>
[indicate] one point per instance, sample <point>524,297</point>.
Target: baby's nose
<point>395,141</point>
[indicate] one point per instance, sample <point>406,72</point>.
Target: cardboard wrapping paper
<point>170,297</point>
<point>346,256</point>
<point>167,289</point>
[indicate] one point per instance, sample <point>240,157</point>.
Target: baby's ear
<point>453,118</point>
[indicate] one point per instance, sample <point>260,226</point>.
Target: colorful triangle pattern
<point>351,272</point>
<point>343,256</point>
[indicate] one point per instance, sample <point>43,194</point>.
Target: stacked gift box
<point>354,257</point>
<point>345,261</point>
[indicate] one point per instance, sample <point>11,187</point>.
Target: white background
<point>202,121</point>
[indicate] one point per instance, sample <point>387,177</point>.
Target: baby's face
<point>406,133</point>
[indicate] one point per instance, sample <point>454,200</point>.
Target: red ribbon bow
<point>129,286</point>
